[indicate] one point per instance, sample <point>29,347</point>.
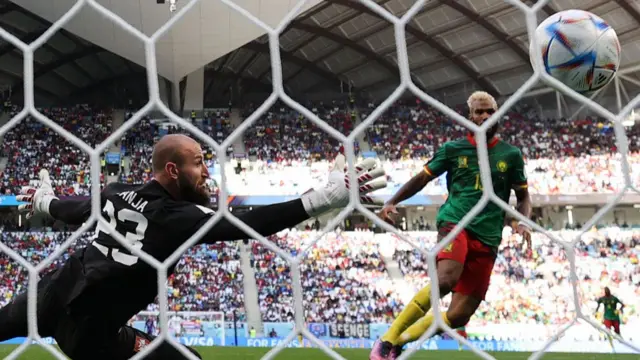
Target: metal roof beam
<point>37,88</point>
<point>630,9</point>
<point>316,36</point>
<point>326,75</point>
<point>49,47</point>
<point>446,52</point>
<point>27,38</point>
<point>482,21</point>
<point>366,52</point>
<point>53,65</point>
<point>61,31</point>
<point>104,82</point>
<point>221,65</point>
<point>233,76</point>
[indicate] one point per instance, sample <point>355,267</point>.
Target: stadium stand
<point>31,146</point>
<point>284,135</point>
<point>201,272</point>
<point>344,53</point>
<point>344,277</point>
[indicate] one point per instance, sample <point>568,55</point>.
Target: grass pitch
<point>36,352</point>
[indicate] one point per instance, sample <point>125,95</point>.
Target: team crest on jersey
<point>462,162</point>
<point>502,166</point>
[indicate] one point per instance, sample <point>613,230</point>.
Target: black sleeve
<point>72,211</point>
<point>265,220</point>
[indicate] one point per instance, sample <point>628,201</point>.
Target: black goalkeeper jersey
<point>106,281</point>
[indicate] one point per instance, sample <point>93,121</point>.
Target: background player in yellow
<point>464,267</point>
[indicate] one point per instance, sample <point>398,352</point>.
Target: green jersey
<point>610,307</point>
<point>459,159</point>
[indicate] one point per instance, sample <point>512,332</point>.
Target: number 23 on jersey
<point>125,218</point>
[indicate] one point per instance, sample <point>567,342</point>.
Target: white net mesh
<point>348,141</point>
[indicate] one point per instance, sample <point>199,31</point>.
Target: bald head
<point>178,165</point>
<point>172,148</point>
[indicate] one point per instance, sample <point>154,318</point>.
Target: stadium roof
<point>65,68</point>
<point>453,47</point>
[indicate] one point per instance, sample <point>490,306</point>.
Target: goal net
<point>192,328</point>
<point>406,84</point>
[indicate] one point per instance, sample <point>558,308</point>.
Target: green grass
<point>36,352</point>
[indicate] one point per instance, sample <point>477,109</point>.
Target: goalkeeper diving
<point>86,302</point>
<point>464,266</point>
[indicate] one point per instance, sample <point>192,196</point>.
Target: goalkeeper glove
<point>335,194</point>
<point>37,199</point>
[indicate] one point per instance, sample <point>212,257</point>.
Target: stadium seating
<point>30,146</point>
<point>344,276</point>
<point>207,278</point>
<point>414,131</point>
<point>282,134</point>
<point>291,152</point>
<point>343,279</point>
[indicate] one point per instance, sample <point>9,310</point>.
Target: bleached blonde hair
<point>481,96</point>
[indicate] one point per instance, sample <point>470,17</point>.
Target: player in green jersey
<point>611,311</point>
<point>464,266</point>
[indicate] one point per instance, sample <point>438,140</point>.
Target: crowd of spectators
<point>283,134</point>
<point>30,146</point>
<point>345,279</point>
<point>569,175</point>
<point>415,130</point>
<point>344,275</point>
<point>207,277</point>
<point>562,157</point>
<point>291,154</point>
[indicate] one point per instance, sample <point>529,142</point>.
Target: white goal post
<point>406,84</point>
<point>207,327</point>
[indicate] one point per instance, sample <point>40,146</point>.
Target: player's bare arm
<point>409,189</point>
<point>523,206</point>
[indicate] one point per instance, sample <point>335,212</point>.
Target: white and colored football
<point>579,49</point>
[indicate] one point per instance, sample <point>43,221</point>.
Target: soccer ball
<point>578,48</point>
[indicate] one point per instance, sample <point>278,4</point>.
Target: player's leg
<point>462,332</point>
<point>95,339</point>
<point>608,324</point>
<point>469,292</point>
<point>460,311</point>
<point>449,269</point>
<point>130,341</point>
<point>616,327</point>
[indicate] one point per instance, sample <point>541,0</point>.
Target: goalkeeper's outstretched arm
<point>334,195</point>
<point>265,220</point>
<point>71,211</point>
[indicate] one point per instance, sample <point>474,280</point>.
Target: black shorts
<point>91,337</point>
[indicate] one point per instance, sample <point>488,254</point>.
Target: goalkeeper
<point>464,266</point>
<point>85,303</point>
